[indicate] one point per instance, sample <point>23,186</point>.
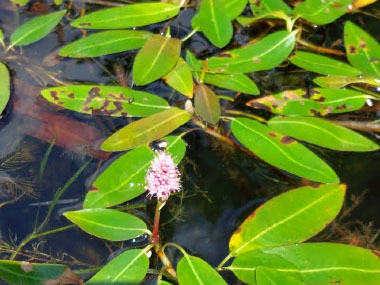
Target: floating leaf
<point>291,217</point>
<point>322,132</point>
<point>20,273</point>
<point>156,58</point>
<point>341,81</point>
<point>322,64</point>
<point>180,78</point>
<point>265,54</point>
<point>265,6</point>
<point>271,276</point>
<point>237,82</point>
<point>130,267</point>
<point>124,179</point>
<point>195,271</point>
<point>246,21</point>
<point>114,101</point>
<point>322,101</point>
<point>36,29</point>
<point>146,130</point>
<point>20,3</point>
<point>214,22</point>
<point>206,104</point>
<point>105,43</point>
<point>327,263</point>
<point>234,8</point>
<point>128,16</point>
<point>107,223</point>
<point>363,51</point>
<point>5,91</point>
<point>322,12</point>
<point>281,151</point>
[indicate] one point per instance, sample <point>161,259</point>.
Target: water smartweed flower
<point>163,177</point>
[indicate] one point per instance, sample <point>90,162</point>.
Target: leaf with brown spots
<point>363,51</point>
<point>113,101</point>
<point>289,218</point>
<point>341,81</point>
<point>288,155</point>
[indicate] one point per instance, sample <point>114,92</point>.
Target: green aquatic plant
<point>270,246</point>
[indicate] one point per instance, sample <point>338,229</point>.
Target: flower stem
<point>155,235</point>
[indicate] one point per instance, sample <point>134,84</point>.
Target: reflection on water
<point>221,189</point>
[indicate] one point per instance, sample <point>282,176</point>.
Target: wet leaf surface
<point>334,263</point>
<point>155,59</point>
<point>107,223</point>
<point>262,55</point>
<point>129,267</point>
<point>36,29</point>
<point>113,101</point>
<point>206,104</point>
<point>105,43</point>
<point>322,64</point>
<point>128,16</point>
<point>124,179</point>
<point>363,51</point>
<point>146,130</point>
<point>322,133</point>
<point>322,12</point>
<point>281,151</point>
<point>289,218</point>
<point>194,270</point>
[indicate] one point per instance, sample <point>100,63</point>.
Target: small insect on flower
<point>163,177</point>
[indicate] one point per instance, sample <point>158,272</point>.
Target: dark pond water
<point>221,186</point>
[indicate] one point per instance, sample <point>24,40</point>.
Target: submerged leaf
<point>291,217</point>
<point>130,267</point>
<point>5,90</point>
<point>36,29</point>
<point>114,101</point>
<point>156,58</point>
<point>322,132</point>
<point>105,43</point>
<point>265,54</point>
<point>146,130</point>
<point>107,223</point>
<point>282,151</point>
<point>128,16</point>
<point>214,22</point>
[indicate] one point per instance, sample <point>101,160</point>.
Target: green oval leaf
<point>291,217</point>
<point>5,86</point>
<point>113,101</point>
<point>206,104</point>
<point>234,8</point>
<point>20,273</point>
<point>129,267</point>
<point>146,130</point>
<point>265,54</point>
<point>321,102</point>
<point>180,78</point>
<point>237,82</point>
<point>156,58</point>
<point>195,271</point>
<point>107,223</point>
<point>322,12</point>
<point>105,43</point>
<point>36,29</point>
<point>269,276</point>
<point>264,6</point>
<point>327,263</point>
<point>282,151</point>
<point>322,132</point>
<point>214,22</point>
<point>363,51</point>
<point>341,81</point>
<point>128,16</point>
<point>124,179</point>
<point>322,64</point>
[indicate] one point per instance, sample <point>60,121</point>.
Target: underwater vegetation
<point>219,59</point>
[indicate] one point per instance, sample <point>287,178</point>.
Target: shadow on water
<point>220,186</point>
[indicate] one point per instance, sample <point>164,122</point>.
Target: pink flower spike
<point>163,177</point>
